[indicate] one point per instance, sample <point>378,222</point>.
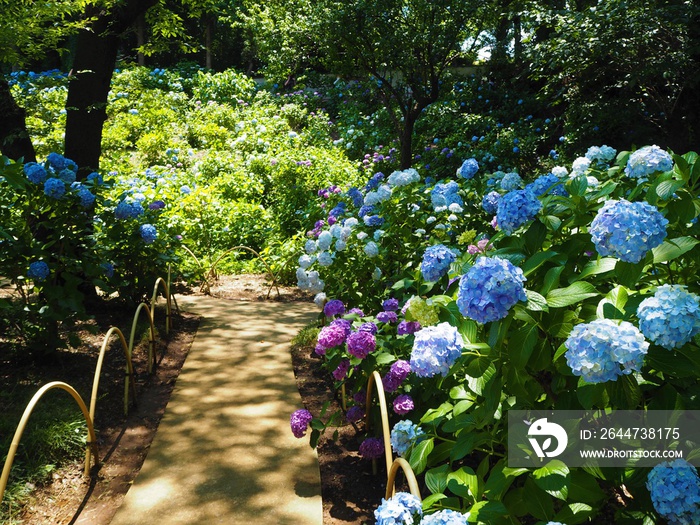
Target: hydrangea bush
<point>547,292</point>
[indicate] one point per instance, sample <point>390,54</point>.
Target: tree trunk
<point>15,142</point>
<point>208,23</point>
<point>95,59</point>
<point>406,140</point>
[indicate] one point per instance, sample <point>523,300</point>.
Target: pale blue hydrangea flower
<point>371,249</point>
<point>468,169</point>
<point>54,188</point>
<point>603,350</point>
<point>361,236</point>
<point>325,259</point>
<point>445,517</point>
<point>511,181</point>
<point>401,509</point>
<point>378,234</point>
<point>324,240</point>
<point>403,178</point>
<point>310,247</point>
<point>430,220</point>
<point>675,492</point>
<point>646,161</point>
<point>305,261</point>
<point>671,317</point>
<point>443,195</point>
<point>580,166</point>
<point>516,208</point>
<point>560,171</point>
<point>320,300</point>
<point>350,222</point>
<point>490,289</point>
<point>404,435</point>
<point>336,230</point>
<point>548,183</point>
<point>436,262</point>
<point>376,274</point>
<point>455,208</point>
<point>340,245</point>
<point>603,154</point>
<point>435,350</point>
<point>490,202</point>
<point>627,230</point>
<point>38,270</point>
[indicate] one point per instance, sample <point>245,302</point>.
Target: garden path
<point>224,452</point>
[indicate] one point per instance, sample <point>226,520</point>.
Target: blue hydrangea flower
<point>445,194</point>
<point>35,173</point>
<point>436,262</point>
<point>445,517</point>
<point>54,188</point>
<point>548,183</point>
<point>56,161</point>
<point>38,270</point>
<point>400,509</point>
<point>373,182</point>
<point>603,350</point>
<point>674,488</point>
<point>511,181</point>
<point>373,221</point>
<point>86,197</point>
<point>627,230</point>
<point>148,233</point>
<point>325,259</point>
<point>403,178</point>
<point>404,434</point>
<point>671,317</point>
<point>67,176</point>
<point>128,209</point>
<point>356,196</point>
<point>468,169</point>
<point>371,249</point>
<point>435,350</point>
<point>95,178</point>
<point>108,269</point>
<point>490,202</point>
<point>516,208</point>
<point>310,247</point>
<point>365,210</point>
<point>489,289</point>
<point>646,161</point>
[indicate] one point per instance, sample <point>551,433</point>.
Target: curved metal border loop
<point>401,463</point>
<point>205,288</point>
<point>376,379</point>
<point>154,298</point>
<point>274,280</point>
<point>212,271</point>
<point>92,439</point>
<point>98,369</point>
<point>152,340</point>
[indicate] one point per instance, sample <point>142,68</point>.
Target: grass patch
<point>306,337</point>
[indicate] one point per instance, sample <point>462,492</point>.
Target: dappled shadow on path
<point>224,452</point>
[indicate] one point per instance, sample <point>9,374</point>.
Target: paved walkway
<point>224,452</point>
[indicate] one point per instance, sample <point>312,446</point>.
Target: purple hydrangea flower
<point>390,305</point>
<point>156,205</point>
<point>331,335</point>
<point>361,344</point>
<point>360,397</point>
<point>354,414</point>
<point>397,374</point>
<point>334,307</point>
<point>408,327</point>
<point>627,230</point>
<point>341,371</point>
<point>357,312</point>
<point>387,317</point>
<point>372,448</point>
<point>299,421</point>
<point>489,289</point>
<point>368,327</point>
<point>403,404</point>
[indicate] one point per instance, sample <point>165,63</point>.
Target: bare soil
<point>349,489</point>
